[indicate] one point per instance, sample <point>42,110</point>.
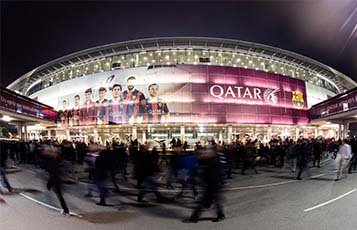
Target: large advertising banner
<point>179,94</point>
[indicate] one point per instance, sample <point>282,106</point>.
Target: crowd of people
<point>205,165</point>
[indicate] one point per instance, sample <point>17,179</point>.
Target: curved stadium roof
<point>339,81</point>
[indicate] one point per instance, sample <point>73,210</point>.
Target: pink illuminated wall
<point>208,108</point>
<point>208,94</point>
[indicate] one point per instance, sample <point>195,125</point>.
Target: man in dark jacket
<point>353,163</point>
<point>3,158</point>
<point>103,165</point>
<point>303,158</point>
<point>212,180</point>
<point>318,146</point>
<point>149,170</point>
<point>51,154</point>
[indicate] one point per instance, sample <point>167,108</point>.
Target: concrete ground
<point>272,199</point>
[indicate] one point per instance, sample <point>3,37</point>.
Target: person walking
<point>150,170</point>
<point>344,155</point>
<point>303,158</point>
<point>51,154</point>
<point>353,162</point>
<point>249,156</point>
<point>317,152</point>
<point>292,155</point>
<point>212,181</point>
<point>103,165</point>
<point>163,155</point>
<point>3,157</point>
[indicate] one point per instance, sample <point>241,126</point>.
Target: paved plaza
<point>271,199</point>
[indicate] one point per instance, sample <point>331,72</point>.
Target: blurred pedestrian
<point>51,155</point>
<point>3,158</point>
<point>303,158</point>
<point>163,155</point>
<point>149,171</point>
<point>211,174</point>
<point>344,155</point>
<point>318,147</point>
<point>249,155</point>
<point>353,162</point>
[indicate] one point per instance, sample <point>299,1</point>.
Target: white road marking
<point>318,175</point>
<point>330,201</point>
<point>30,171</point>
<point>47,205</point>
<point>260,186</point>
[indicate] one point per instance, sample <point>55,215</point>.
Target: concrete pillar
<point>316,132</point>
<point>169,134</point>
<point>68,135</point>
<point>134,133</point>
<point>345,130</point>
<point>297,133</point>
<point>270,130</point>
<point>339,131</point>
<point>144,135</point>
<point>230,133</point>
<point>220,136</point>
<point>19,130</point>
<point>182,133</point>
<point>26,134</point>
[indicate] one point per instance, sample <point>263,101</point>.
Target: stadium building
<point>184,87</point>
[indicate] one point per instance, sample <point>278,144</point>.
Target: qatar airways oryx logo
<point>270,96</point>
<point>244,93</point>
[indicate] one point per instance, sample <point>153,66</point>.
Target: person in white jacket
<point>344,155</point>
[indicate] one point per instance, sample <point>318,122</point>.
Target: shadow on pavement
<point>108,217</point>
<point>16,191</point>
<point>12,171</point>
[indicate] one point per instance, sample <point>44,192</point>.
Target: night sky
<point>34,33</point>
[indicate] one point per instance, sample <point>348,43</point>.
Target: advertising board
<point>179,94</point>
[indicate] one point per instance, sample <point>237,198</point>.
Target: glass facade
<point>194,132</point>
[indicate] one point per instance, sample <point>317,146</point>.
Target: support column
<point>134,134</point>
<point>270,130</point>
<point>220,136</point>
<point>345,130</point>
<point>68,135</point>
<point>169,134</point>
<point>316,132</point>
<point>19,130</point>
<point>49,133</point>
<point>182,133</point>
<point>339,132</point>
<point>144,135</point>
<point>25,134</point>
<point>297,133</point>
<point>230,133</point>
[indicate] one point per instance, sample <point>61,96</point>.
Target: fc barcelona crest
<point>298,99</point>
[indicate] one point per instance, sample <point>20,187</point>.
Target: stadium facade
<point>185,87</point>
